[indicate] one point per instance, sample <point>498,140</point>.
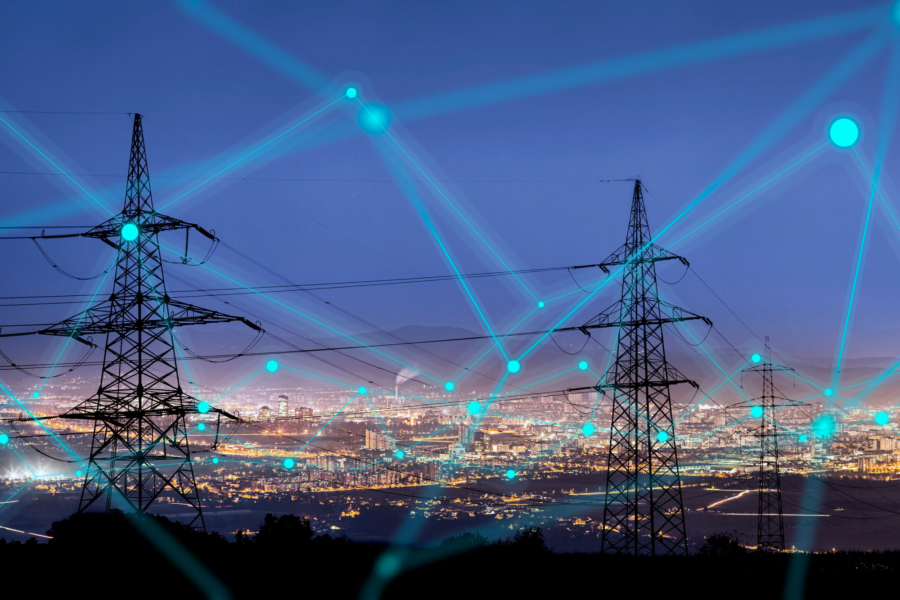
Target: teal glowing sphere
<point>272,366</point>
<point>400,454</point>
<point>510,474</point>
<point>449,386</point>
<point>540,305</point>
<point>513,366</point>
<point>756,358</point>
<point>588,429</point>
<point>77,473</point>
<point>201,426</point>
<point>756,412</point>
<point>474,408</point>
<point>203,407</point>
<point>662,436</point>
<point>362,390</point>
<point>351,92</point>
<point>844,133</point>
<point>882,418</point>
<point>289,463</point>
<point>824,426</point>
<point>803,438</point>
<point>583,365</point>
<point>374,118</point>
<point>130,232</point>
<point>828,392</point>
<point>216,460</point>
<point>4,439</point>
<point>36,395</point>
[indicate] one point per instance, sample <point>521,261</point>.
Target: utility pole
<point>644,511</point>
<point>140,446</point>
<point>770,520</point>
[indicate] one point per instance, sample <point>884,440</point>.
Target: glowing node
<point>351,92</point>
<point>203,407</point>
<point>271,366</point>
<point>216,460</point>
<point>662,436</point>
<point>895,14</point>
<point>474,408</point>
<point>130,232</point>
<point>289,463</point>
<point>756,412</point>
<point>362,390</point>
<point>374,118</point>
<point>513,366</point>
<point>77,473</point>
<point>510,474</point>
<point>201,426</point>
<point>387,566</point>
<point>583,365</point>
<point>449,386</point>
<point>540,305</point>
<point>4,439</point>
<point>400,454</point>
<point>802,438</point>
<point>828,392</point>
<point>882,418</point>
<point>824,426</point>
<point>844,133</point>
<point>756,358</point>
<point>36,395</point>
<point>588,429</point>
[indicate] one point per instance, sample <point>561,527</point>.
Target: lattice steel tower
<point>140,444</point>
<point>770,521</point>
<point>644,512</point>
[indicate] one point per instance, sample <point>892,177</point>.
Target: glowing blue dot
<point>272,366</point>
<point>449,386</point>
<point>362,390</point>
<point>351,92</point>
<point>201,426</point>
<point>77,473</point>
<point>662,436</point>
<point>828,392</point>
<point>882,418</point>
<point>4,439</point>
<point>374,118</point>
<point>824,426</point>
<point>583,365</point>
<point>203,407</point>
<point>289,463</point>
<point>388,565</point>
<point>400,454</point>
<point>588,429</point>
<point>803,438</point>
<point>513,366</point>
<point>895,13</point>
<point>756,358</point>
<point>130,232</point>
<point>844,133</point>
<point>510,474</point>
<point>540,305</point>
<point>216,460</point>
<point>474,408</point>
<point>36,395</point>
<point>756,412</point>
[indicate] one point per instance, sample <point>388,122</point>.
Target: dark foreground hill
<point>121,557</point>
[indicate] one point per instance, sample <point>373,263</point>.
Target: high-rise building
<point>376,440</point>
<point>265,413</point>
<point>282,406</point>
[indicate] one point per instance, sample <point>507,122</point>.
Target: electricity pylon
<point>140,444</point>
<point>644,512</point>
<point>770,520</point>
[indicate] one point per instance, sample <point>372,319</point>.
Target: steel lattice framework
<point>140,444</point>
<point>644,512</point>
<point>770,522</point>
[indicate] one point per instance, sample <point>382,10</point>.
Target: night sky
<point>520,158</point>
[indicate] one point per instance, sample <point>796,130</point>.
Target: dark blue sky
<point>522,168</point>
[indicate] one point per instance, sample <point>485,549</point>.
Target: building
<point>282,406</point>
<point>265,413</point>
<point>376,440</point>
